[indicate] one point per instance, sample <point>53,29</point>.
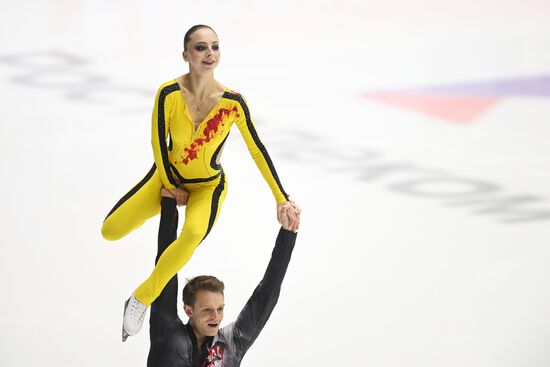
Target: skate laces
<point>137,309</point>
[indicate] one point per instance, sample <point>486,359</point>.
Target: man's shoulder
<point>225,334</point>
<point>173,349</point>
<point>177,331</point>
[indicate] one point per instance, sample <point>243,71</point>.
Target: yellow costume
<point>188,161</point>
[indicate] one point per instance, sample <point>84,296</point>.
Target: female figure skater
<point>191,119</point>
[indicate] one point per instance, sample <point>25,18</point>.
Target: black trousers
<point>167,234</point>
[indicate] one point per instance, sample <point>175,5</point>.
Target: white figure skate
<point>134,314</point>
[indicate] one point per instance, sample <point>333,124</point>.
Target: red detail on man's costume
<point>215,356</point>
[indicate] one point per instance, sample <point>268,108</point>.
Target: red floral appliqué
<point>211,129</point>
<point>215,356</point>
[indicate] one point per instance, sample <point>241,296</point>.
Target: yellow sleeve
<point>258,151</point>
<point>159,133</point>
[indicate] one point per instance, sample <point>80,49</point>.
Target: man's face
<point>206,314</point>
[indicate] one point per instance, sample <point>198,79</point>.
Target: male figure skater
<point>201,342</point>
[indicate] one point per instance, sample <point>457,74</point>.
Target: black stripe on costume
<point>256,138</point>
<point>193,180</point>
<point>213,163</point>
<point>133,191</point>
<point>164,92</point>
<point>215,203</point>
<point>171,142</point>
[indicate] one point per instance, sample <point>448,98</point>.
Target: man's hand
<point>179,194</point>
<point>282,212</point>
<point>290,219</point>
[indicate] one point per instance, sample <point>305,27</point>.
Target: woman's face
<point>203,50</point>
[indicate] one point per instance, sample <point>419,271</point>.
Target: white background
<point>388,270</point>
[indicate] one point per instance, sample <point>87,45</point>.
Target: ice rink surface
<point>414,134</point>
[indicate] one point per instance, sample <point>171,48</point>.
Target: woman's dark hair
<point>192,30</point>
<point>200,283</point>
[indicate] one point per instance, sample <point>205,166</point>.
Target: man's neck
<point>200,338</point>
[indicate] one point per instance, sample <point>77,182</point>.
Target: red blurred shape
<point>456,108</point>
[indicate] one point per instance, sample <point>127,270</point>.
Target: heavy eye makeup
<point>202,47</point>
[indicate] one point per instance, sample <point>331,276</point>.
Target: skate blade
<point>125,335</point>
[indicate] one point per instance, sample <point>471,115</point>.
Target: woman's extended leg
<point>203,207</point>
<point>138,205</point>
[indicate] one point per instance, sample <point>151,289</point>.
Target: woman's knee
<point>192,234</point>
<point>109,231</point>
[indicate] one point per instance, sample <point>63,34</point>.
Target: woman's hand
<point>290,219</point>
<point>179,194</point>
<point>288,215</point>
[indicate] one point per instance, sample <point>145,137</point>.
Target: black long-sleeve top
<point>173,344</point>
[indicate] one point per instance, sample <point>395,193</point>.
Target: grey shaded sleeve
<point>257,310</point>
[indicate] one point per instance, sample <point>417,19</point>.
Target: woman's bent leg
<point>201,213</point>
<point>138,205</point>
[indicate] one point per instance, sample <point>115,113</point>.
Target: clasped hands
<point>288,213</point>
<point>181,195</point>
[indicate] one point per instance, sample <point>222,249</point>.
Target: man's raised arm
<point>257,310</point>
